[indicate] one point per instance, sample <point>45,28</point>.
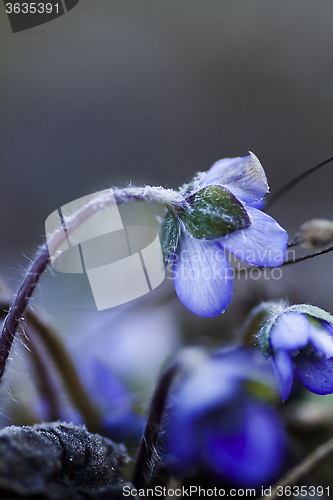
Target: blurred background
<point>148,91</point>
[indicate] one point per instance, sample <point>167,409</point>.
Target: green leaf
<point>267,314</point>
<point>312,311</point>
<point>265,335</point>
<point>169,236</point>
<point>214,213</point>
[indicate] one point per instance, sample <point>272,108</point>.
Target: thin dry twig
<point>284,189</point>
<point>310,463</point>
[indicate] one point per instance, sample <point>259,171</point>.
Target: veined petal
<point>290,332</point>
<point>264,243</point>
<point>284,372</point>
<point>202,276</point>
<point>243,177</point>
<point>259,204</point>
<point>315,372</point>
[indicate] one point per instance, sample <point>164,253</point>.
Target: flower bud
<point>261,315</point>
<point>299,339</point>
<point>314,233</point>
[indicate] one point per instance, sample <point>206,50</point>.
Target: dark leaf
<point>169,236</point>
<point>215,213</point>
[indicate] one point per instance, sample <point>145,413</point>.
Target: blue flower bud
<point>299,339</point>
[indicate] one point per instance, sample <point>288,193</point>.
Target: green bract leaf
<point>169,236</point>
<point>265,335</point>
<point>215,213</point>
<point>312,311</point>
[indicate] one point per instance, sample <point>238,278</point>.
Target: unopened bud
<point>261,314</point>
<point>314,233</point>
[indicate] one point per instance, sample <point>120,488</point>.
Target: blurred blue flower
<point>116,404</point>
<point>224,217</point>
<point>113,401</point>
<point>299,339</point>
<point>217,424</point>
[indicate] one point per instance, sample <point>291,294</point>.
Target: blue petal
<point>263,243</point>
<point>290,332</point>
<point>212,384</point>
<point>321,339</point>
<point>108,390</point>
<point>245,364</point>
<point>212,422</point>
<point>258,204</point>
<point>127,427</point>
<point>202,276</point>
<point>284,372</point>
<point>315,372</point>
<point>206,388</point>
<point>243,177</point>
<point>184,446</point>
<point>245,457</point>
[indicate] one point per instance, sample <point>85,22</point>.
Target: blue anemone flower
<point>222,216</point>
<point>113,400</point>
<point>217,425</point>
<point>299,339</point>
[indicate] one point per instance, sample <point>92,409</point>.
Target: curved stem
<point>152,194</point>
<point>284,189</point>
<point>64,364</point>
<point>21,300</point>
<point>287,262</point>
<point>305,257</point>
<point>168,197</point>
<point>147,451</point>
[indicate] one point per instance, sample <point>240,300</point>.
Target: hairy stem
<point>168,197</point>
<point>21,300</point>
<point>301,470</point>
<point>64,364</point>
<point>147,451</point>
<point>104,199</point>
